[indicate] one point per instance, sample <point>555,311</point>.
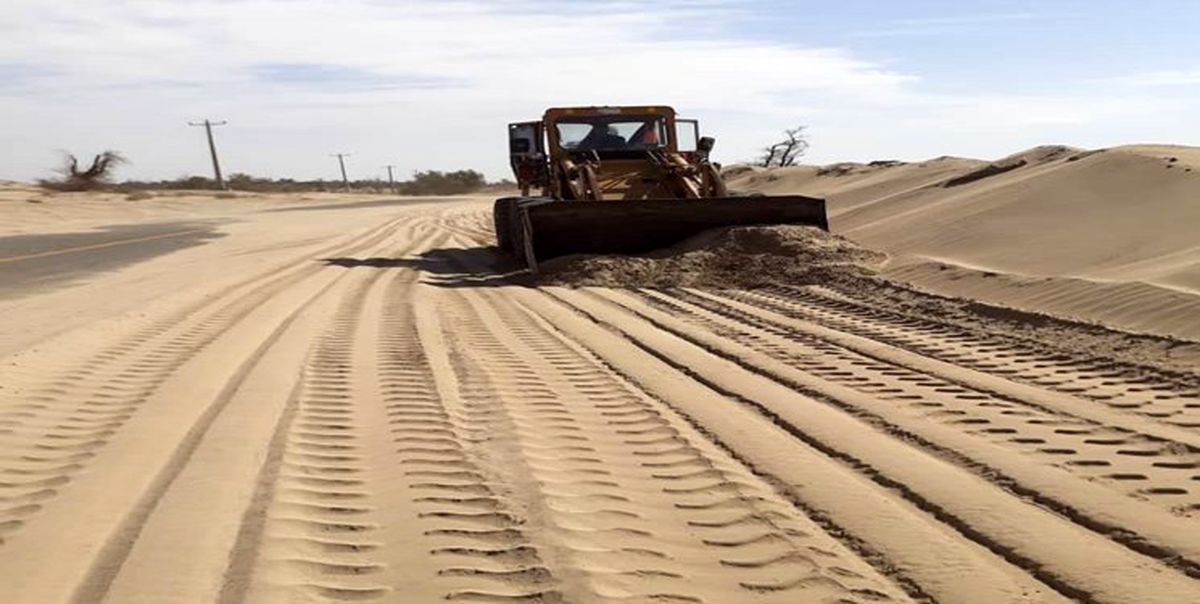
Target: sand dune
<point>1106,235</point>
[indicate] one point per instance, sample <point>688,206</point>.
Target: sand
<point>783,258</point>
<point>1106,236</point>
<point>350,399</point>
<point>32,209</point>
<point>752,256</point>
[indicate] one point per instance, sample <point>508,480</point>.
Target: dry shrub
<point>96,176</point>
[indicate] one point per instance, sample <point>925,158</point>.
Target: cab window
<point>612,133</point>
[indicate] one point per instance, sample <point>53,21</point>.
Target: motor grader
<point>622,180</point>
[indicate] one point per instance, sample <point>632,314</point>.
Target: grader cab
<point>623,180</point>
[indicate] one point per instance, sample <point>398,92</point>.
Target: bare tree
<point>787,151</point>
<point>95,176</point>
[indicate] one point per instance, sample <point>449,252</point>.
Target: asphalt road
<point>32,264</point>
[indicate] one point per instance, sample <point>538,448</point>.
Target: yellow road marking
<point>97,246</point>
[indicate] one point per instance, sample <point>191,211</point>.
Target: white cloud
<point>146,65</point>
<point>1166,77</point>
<point>430,84</point>
<point>926,26</point>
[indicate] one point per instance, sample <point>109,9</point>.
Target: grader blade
<point>544,229</point>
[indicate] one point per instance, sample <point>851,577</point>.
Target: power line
<point>212,148</point>
<point>342,164</point>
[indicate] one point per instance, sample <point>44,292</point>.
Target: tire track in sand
<point>317,526</point>
<point>1166,397</point>
<point>378,494</point>
<point>1109,449</point>
<point>898,400</point>
<point>1058,553</point>
<point>237,426</point>
<point>631,503</point>
<point>248,429</point>
<point>52,430</point>
<point>114,503</point>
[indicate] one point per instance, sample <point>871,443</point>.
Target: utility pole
<point>391,180</point>
<point>342,164</point>
<point>212,148</point>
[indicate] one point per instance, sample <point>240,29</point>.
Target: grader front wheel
<point>502,215</point>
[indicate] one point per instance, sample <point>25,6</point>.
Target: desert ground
<point>983,388</point>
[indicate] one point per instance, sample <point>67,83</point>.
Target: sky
<point>431,84</point>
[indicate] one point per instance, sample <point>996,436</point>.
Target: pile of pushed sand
<point>745,256</point>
